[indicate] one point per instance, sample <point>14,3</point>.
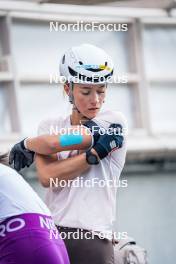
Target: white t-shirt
<point>91,208</point>
<point>17,196</point>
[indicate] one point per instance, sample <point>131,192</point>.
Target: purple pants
<point>31,239</point>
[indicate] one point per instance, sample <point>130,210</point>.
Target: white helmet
<point>85,64</point>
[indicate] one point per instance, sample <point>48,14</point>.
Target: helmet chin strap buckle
<point>75,108</point>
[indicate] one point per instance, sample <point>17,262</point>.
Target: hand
<point>95,130</point>
<point>110,141</point>
<point>20,156</point>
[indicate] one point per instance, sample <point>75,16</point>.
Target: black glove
<point>20,156</point>
<point>111,140</point>
<point>94,128</point>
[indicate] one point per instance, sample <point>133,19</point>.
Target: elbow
<point>45,183</point>
<point>44,179</point>
<point>48,180</point>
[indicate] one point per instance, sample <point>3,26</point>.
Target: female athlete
<point>81,170</point>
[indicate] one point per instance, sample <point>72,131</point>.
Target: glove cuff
<point>23,145</point>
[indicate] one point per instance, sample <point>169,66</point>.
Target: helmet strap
<point>71,97</point>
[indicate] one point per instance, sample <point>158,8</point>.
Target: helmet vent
<point>63,59</point>
<point>82,77</point>
<point>80,62</point>
<point>106,63</point>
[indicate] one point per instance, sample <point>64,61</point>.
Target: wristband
<point>24,144</point>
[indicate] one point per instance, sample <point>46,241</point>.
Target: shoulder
<point>105,118</point>
<point>6,170</point>
<point>8,175</point>
<point>51,124</point>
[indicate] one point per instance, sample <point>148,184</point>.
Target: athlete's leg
<point>86,249</point>
<point>25,239</point>
<point>51,254</point>
<point>32,247</point>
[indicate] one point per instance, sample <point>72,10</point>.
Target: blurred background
<point>146,54</point>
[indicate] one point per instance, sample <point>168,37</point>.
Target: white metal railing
<point>76,10</point>
<point>140,140</point>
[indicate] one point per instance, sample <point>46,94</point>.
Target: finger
<point>23,162</point>
<point>11,156</point>
<point>30,159</point>
<point>17,162</point>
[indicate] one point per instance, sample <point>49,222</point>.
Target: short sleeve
<point>43,128</point>
<point>105,119</point>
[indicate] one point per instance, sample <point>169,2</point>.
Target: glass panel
<point>38,102</point>
<point>120,98</point>
<point>160,50</point>
<point>163,107</point>
<point>4,117</point>
<point>1,24</point>
<point>41,49</point>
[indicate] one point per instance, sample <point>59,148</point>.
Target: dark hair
<point>4,158</point>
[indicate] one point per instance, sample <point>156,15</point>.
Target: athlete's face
<point>89,98</point>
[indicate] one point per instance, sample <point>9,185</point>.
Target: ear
<point>66,88</point>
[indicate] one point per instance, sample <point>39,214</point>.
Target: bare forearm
<point>67,169</point>
<point>49,144</point>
